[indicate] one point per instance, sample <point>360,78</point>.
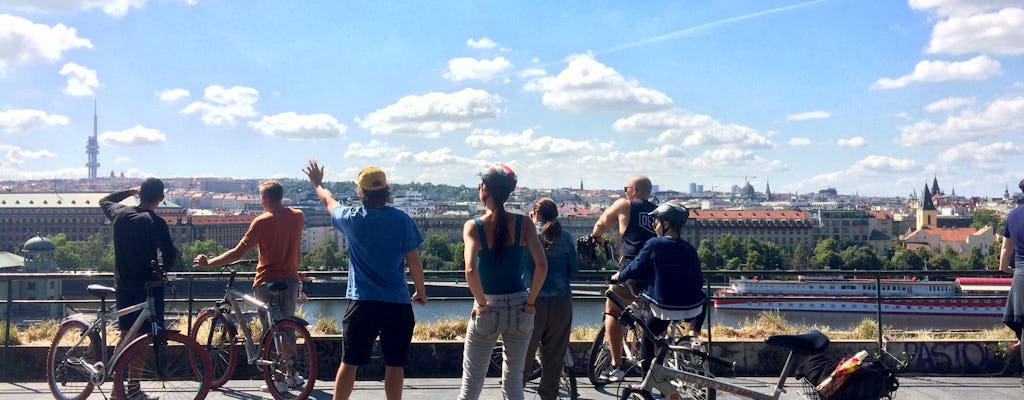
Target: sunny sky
<point>874,97</point>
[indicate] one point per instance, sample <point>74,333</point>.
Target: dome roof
<point>39,243</point>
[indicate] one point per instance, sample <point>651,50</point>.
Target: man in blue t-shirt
<point>382,241</point>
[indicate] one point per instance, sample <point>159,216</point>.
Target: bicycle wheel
<point>162,365</point>
<point>634,394</point>
<point>692,362</point>
<point>69,352</point>
<point>293,364</point>
<point>600,358</point>
<point>215,333</point>
<point>567,385</point>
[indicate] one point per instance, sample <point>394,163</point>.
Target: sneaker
<point>133,391</point>
<point>295,381</point>
<point>616,375</point>
<point>279,387</point>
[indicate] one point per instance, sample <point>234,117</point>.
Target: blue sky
<point>873,97</point>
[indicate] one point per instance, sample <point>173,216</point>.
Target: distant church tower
<point>767,191</point>
<point>926,214</point>
<point>92,147</point>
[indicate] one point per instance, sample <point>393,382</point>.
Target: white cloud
<point>482,43</point>
<point>122,160</point>
<point>630,162</point>
<point>587,85</point>
<point>973,156</point>
<point>1000,32</point>
<point>172,95</point>
<point>24,120</point>
<point>946,8</point>
<point>463,69</point>
<point>714,160</point>
<point>809,115</point>
<point>434,113</point>
<point>692,129</point>
<point>977,68</point>
<point>23,42</point>
<point>223,106</point>
<point>493,143</point>
<point>294,126</point>
<point>531,73</point>
<point>374,150</point>
<point>949,104</point>
<point>13,155</point>
<point>873,166</point>
<point>134,136</point>
<point>81,80</point>
<point>999,117</point>
<point>799,142</point>
<point>852,142</point>
<point>115,8</point>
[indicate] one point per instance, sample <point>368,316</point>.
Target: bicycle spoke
<point>67,360</point>
<point>175,368</point>
<point>292,356</point>
<point>216,334</point>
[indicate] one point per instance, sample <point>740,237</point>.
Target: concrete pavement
<point>911,388</point>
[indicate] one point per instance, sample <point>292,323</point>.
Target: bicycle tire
<point>302,362</point>
<point>694,362</point>
<point>567,388</point>
<point>67,381</point>
<point>599,358</point>
<point>163,365</point>
<point>635,394</point>
<point>215,333</point>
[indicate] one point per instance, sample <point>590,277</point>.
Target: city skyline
<point>871,98</point>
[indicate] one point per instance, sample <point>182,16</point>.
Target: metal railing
<point>714,279</point>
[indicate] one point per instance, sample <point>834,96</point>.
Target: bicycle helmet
<point>586,249</point>
<point>671,212</point>
<point>499,176</point>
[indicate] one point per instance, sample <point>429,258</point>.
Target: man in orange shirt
<point>276,234</point>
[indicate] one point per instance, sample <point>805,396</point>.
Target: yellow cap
<point>371,178</point>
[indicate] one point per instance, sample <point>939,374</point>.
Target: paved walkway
<point>911,388</point>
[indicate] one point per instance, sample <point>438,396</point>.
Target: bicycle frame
<point>231,305</point>
<point>99,325</point>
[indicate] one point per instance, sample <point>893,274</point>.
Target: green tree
<point>91,254</point>
<point>325,257</point>
<point>458,262</point>
<point>905,260</point>
<point>188,251</point>
<point>437,246</point>
<point>800,259</point>
<point>729,247</point>
<point>709,258</point>
<point>826,255</point>
<point>861,258</point>
<point>985,217</point>
<point>976,259</point>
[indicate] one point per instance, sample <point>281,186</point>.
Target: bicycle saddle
<point>812,342</point>
<point>100,290</point>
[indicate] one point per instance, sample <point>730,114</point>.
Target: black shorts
<point>127,297</point>
<point>365,320</point>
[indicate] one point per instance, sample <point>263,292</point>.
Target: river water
<point>588,311</point>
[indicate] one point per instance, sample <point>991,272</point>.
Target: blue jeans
<point>515,327</point>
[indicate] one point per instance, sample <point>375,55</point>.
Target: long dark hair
<point>547,215</point>
<point>500,196</point>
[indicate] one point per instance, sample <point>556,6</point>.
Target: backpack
<point>873,380</point>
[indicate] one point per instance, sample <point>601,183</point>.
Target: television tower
<point>92,147</point>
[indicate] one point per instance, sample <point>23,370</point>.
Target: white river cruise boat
<point>899,296</point>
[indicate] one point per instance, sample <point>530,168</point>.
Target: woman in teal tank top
<point>495,246</point>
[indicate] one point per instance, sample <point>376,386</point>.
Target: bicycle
<point>675,383</point>
<point>632,349</point>
<point>216,330</point>
<point>79,359</point>
<point>566,382</point>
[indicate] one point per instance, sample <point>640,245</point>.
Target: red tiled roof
<point>749,214</point>
<point>221,219</point>
<point>881,214</point>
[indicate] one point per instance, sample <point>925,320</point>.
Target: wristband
<point>530,304</point>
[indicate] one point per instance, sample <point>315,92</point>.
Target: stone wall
<point>444,359</point>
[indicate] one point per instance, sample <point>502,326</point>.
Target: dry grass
<point>447,328</point>
<point>325,326</point>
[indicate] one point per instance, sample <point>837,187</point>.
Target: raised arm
<point>315,172</point>
<point>614,215</point>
